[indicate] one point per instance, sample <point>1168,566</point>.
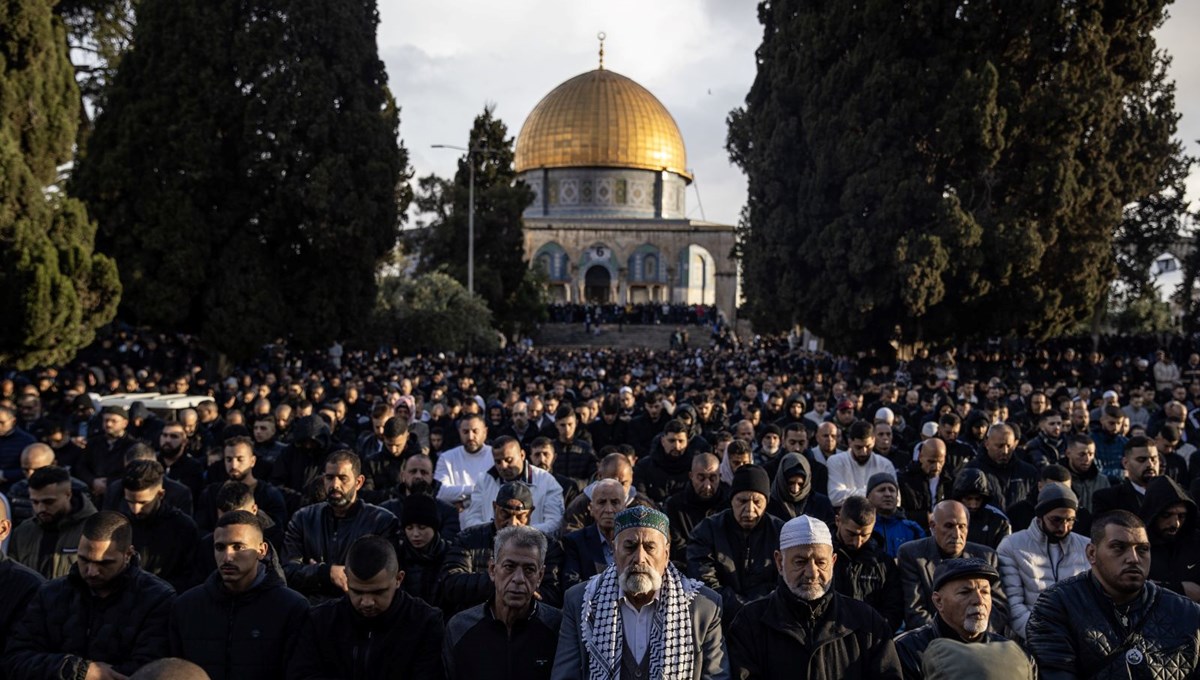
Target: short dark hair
<point>950,419</point>
<point>1138,442</point>
<point>395,427</point>
<point>240,517</point>
<point>540,442</point>
<point>564,411</point>
<point>51,474</point>
<point>345,456</point>
<point>370,555</point>
<point>858,509</point>
<point>240,440</point>
<point>675,427</point>
<point>233,495</point>
<point>107,525</point>
<point>1113,411</point>
<point>861,429</point>
<point>139,451</point>
<point>502,441</point>
<point>142,474</point>
<point>737,447</point>
<point>795,426</point>
<point>1121,518</point>
<point>1079,439</point>
<point>1055,473</point>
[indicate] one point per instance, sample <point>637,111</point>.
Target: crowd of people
<point>758,512</point>
<point>639,313</point>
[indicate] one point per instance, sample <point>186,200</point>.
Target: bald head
<point>705,462</point>
<point>932,457</point>
<point>35,457</point>
<point>170,669</point>
<point>949,527</point>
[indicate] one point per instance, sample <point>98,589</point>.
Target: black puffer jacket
<point>739,565</point>
<point>660,476</point>
<point>167,541</point>
<point>465,581</point>
<point>247,635</point>
<point>315,540</point>
<point>423,567</point>
<point>809,501</point>
<point>686,510</point>
<point>19,584</point>
<point>1074,632</point>
<point>1173,559</point>
<point>987,525</point>
<point>1009,483</point>
<point>870,575</point>
<point>403,643</point>
<point>834,638</point>
<point>66,626</point>
<point>297,472</point>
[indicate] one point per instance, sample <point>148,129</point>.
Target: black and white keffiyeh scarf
<point>671,646</point>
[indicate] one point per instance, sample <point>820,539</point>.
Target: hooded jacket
<point>1173,559</point>
<point>988,526</point>
<point>1030,564</point>
<point>238,635</point>
<point>167,539</point>
<point>660,476</point>
<point>422,567</point>
<point>784,505</point>
<point>1009,483</point>
<point>27,540</point>
<point>66,626</point>
<point>1086,484</point>
<point>297,471</point>
<point>870,575</point>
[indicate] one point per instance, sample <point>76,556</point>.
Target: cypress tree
<point>57,290</point>
<point>246,170</point>
<point>930,171</point>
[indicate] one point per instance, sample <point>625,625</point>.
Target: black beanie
<point>421,509</point>
<point>751,478</point>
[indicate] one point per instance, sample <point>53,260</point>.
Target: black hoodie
<point>298,470</point>
<point>1173,559</point>
<point>988,526</point>
<point>810,502</point>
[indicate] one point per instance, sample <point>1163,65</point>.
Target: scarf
<point>671,646</point>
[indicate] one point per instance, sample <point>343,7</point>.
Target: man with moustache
<point>1112,621</point>
<point>240,460</point>
<point>181,464</point>
<point>1141,463</point>
<point>319,535</point>
<point>1170,517</point>
<point>705,496</point>
<point>805,628</point>
<point>48,544</point>
<point>416,478</point>
<point>243,620</point>
<point>962,598</point>
<point>641,617</point>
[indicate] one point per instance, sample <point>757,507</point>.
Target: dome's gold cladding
<point>601,119</point>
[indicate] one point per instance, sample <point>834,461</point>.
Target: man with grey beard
<point>962,598</point>
<point>640,617</point>
<point>805,628</point>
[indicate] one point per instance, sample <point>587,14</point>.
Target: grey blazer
<point>571,663</point>
<point>918,559</point>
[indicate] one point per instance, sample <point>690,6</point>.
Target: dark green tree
<point>98,33</point>
<point>929,171</point>
<point>56,289</point>
<point>433,312</point>
<point>246,171</point>
<point>501,270</point>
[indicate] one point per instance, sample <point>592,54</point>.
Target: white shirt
<point>547,512</point>
<point>637,624</point>
<point>458,471</point>
<point>847,478</point>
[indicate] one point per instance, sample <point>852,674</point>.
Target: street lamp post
<point>470,210</point>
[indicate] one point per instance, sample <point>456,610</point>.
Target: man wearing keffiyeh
<point>641,618</point>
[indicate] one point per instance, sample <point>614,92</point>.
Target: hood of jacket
<point>779,487</point>
<point>971,481</point>
<point>1161,493</point>
<point>311,428</point>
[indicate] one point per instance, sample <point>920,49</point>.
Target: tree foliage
<point>245,170</point>
<point>501,270</point>
<point>56,289</point>
<point>98,33</point>
<point>433,312</point>
<point>928,171</point>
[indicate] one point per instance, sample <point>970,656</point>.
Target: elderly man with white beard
<point>805,628</point>
<point>962,598</point>
<point>641,617</point>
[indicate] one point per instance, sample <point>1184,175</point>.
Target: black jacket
<point>1042,451</point>
<point>685,510</point>
<point>918,561</point>
<point>382,471</point>
<point>446,512</point>
<point>1173,559</point>
<point>167,541</point>
<point>479,646</point>
<point>1009,483</point>
<point>809,501</point>
<point>643,430</point>
<point>206,559</point>
<point>1118,497</point>
<point>247,635</point>
<point>102,458</point>
<point>739,565</point>
<point>576,460</point>
<point>835,638</point>
<point>297,471</point>
<point>870,575</point>
<point>465,581</point>
<point>267,497</point>
<point>605,434</point>
<point>910,645</point>
<point>583,555</point>
<point>915,496</point>
<point>988,526</point>
<point>422,568</point>
<point>1074,632</point>
<point>66,626</point>
<point>315,540</point>
<point>175,494</point>
<point>402,643</point>
<point>19,584</point>
<point>660,476</point>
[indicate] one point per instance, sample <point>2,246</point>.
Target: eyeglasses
<point>1061,521</point>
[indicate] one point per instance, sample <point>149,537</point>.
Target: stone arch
<point>697,276</point>
<point>552,258</point>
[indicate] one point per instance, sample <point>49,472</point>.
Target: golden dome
<point>601,119</point>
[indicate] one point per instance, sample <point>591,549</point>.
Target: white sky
<point>446,60</point>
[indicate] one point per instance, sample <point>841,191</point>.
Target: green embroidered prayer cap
<point>641,517</point>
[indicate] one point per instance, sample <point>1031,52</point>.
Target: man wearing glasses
<point>1033,559</point>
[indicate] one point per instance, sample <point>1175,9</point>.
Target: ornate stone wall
<point>606,192</point>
